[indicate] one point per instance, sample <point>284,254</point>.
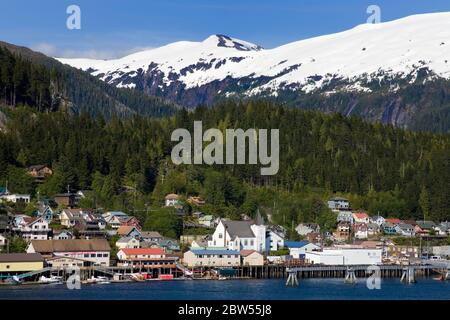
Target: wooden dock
<point>268,271</point>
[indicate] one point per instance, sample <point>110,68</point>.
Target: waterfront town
<point>42,244</point>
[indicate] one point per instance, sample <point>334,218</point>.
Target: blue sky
<point>117,27</point>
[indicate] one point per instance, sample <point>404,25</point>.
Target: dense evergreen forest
<point>32,79</point>
<point>127,163</point>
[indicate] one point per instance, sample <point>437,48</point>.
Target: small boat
<point>103,280</point>
<point>222,278</point>
<point>99,280</point>
<point>51,280</point>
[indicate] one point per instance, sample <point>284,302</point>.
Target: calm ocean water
<point>322,289</point>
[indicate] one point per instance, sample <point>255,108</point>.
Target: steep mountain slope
<point>386,57</point>
<point>33,79</point>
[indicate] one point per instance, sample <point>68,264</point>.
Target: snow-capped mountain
<point>224,65</point>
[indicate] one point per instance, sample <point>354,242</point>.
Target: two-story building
<point>145,258</point>
<point>361,217</point>
<point>96,251</point>
<point>211,258</point>
<point>338,203</point>
<point>405,230</point>
<point>33,229</point>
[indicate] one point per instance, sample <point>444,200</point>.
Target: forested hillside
<point>127,163</point>
<point>32,79</point>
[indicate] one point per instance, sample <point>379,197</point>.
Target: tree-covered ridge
<point>127,162</point>
<point>34,80</point>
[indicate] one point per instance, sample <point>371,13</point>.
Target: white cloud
<point>45,48</point>
<point>90,53</point>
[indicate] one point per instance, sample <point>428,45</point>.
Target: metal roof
<point>212,251</point>
<point>21,257</point>
<point>295,244</point>
<point>239,229</point>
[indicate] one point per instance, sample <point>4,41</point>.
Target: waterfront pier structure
<point>293,273</point>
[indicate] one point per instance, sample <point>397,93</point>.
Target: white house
<point>69,217</point>
<point>171,200</point>
<point>113,218</point>
<point>239,235</point>
<point>345,256</point>
<point>346,216</point>
<point>127,242</point>
<point>63,235</point>
<point>361,217</point>
<point>379,220</point>
<point>338,203</point>
<point>405,230</point>
<point>298,249</point>
<point>15,198</point>
<point>442,229</point>
<point>34,229</point>
<point>360,230</point>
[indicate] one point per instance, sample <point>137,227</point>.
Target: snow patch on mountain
<point>398,48</point>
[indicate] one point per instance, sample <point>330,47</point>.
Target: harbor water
<point>267,289</point>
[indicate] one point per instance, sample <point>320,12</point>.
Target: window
<point>245,242</point>
<point>220,236</point>
<point>251,242</point>
<point>92,255</point>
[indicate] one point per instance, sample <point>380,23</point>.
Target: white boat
<point>51,280</point>
<point>99,280</point>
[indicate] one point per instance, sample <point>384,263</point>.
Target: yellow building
<point>21,262</point>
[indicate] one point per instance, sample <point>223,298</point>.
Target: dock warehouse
<point>20,262</point>
<point>344,257</point>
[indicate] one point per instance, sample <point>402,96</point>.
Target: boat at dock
<point>98,280</point>
<point>51,280</point>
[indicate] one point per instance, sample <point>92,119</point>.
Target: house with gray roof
<point>239,235</point>
<point>405,229</point>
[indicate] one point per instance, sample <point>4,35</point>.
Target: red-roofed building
<point>394,221</point>
<point>361,217</point>
<point>145,258</point>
